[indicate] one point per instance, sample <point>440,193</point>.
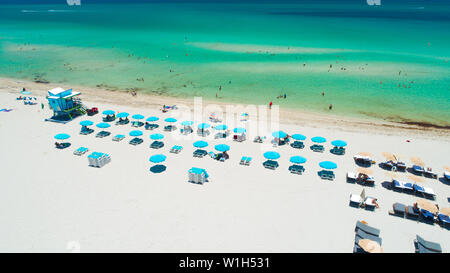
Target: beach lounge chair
<point>296,169</point>
<point>327,175</point>
<point>80,151</point>
<point>363,160</point>
<point>397,185</point>
<point>248,161</point>
<point>338,151</point>
<point>136,141</point>
<point>170,128</point>
<point>122,121</point>
<point>435,247</point>
<point>176,149</point>
<point>412,213</point>
<point>443,220</point>
<point>447,176</point>
<point>360,234</point>
<point>271,164</point>
<point>200,153</point>
<point>317,148</point>
<point>62,145</point>
<point>86,131</point>
<point>243,159</point>
<point>352,177</point>
<point>388,165</point>
<point>197,175</point>
<point>298,145</point>
<point>118,137</point>
<point>137,124</point>
<point>109,118</point>
<point>424,191</point>
<point>102,134</point>
<point>151,126</point>
<point>401,166</point>
<point>370,203</point>
<point>398,209</point>
<point>428,172</point>
<point>418,169</point>
<point>367,229</point>
<point>426,215</point>
<point>355,200</point>
<point>258,139</point>
<point>98,160</point>
<point>157,144</point>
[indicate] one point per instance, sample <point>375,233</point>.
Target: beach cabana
<point>271,156</point>
<point>318,147</point>
<point>170,127</point>
<point>109,115</point>
<point>296,168</point>
<point>123,118</point>
<point>158,158</point>
<point>239,134</point>
<point>298,141</point>
<point>137,120</point>
<point>136,140</point>
<point>156,144</point>
<point>198,175</point>
<point>62,145</point>
<point>339,147</point>
<point>326,173</point>
<point>84,127</point>
<point>187,129</point>
<point>199,145</point>
<point>103,133</point>
<point>214,118</point>
<point>280,138</point>
<point>223,131</point>
<point>150,123</point>
<point>203,129</point>
<point>65,105</point>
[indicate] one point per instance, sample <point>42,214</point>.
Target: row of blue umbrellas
<point>300,160</point>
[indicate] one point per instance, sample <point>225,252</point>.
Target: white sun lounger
<point>352,176</point>
<point>368,202</point>
<point>356,199</point>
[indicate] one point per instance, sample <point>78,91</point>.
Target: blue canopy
<point>86,123</point>
<point>298,159</point>
<point>158,158</point>
<point>328,165</point>
<point>137,116</point>
<point>156,136</point>
<point>187,123</point>
<point>271,155</point>
<point>103,125</point>
<point>151,119</point>
<point>339,143</point>
<point>170,120</point>
<point>198,171</point>
<point>136,133</point>
<point>222,147</point>
<point>204,126</point>
<point>239,130</point>
<point>318,139</point>
<point>62,136</point>
<point>279,134</point>
<point>221,127</point>
<point>122,115</point>
<point>200,144</point>
<point>108,112</point>
<point>298,137</point>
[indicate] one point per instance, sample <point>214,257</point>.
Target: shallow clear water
<point>396,58</point>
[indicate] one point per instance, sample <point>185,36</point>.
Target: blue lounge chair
<point>367,229</point>
<point>338,151</point>
<point>443,219</point>
<point>418,169</point>
<point>200,153</point>
<point>118,137</point>
<point>427,216</point>
<point>360,234</point>
<point>176,149</point>
<point>248,161</point>
<point>170,128</point>
<point>136,141</point>
<point>80,151</point>
<point>137,124</point>
<point>151,126</point>
<point>327,175</point>
<point>398,210</point>
<point>298,145</point>
<point>157,144</point>
<point>270,164</point>
<point>296,169</point>
<point>317,148</point>
<point>412,213</point>
<point>102,134</point>
<point>243,159</point>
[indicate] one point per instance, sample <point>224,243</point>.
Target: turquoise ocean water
<point>387,62</point>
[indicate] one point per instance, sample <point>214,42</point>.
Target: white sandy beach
<point>50,197</point>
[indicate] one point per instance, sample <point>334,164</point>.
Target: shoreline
<point>287,115</point>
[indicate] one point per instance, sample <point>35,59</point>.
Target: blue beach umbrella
<point>103,125</point>
<point>239,130</point>
<point>122,115</point>
<point>298,137</point>
<point>203,126</point>
<point>152,119</point>
<point>62,136</point>
<point>136,133</point>
<point>318,139</point>
<point>171,120</point>
<point>328,165</point>
<point>221,127</point>
<point>271,155</point>
<point>137,116</point>
<point>158,158</point>
<point>156,136</point>
<point>297,159</point>
<point>108,112</point>
<point>86,123</point>
<point>200,144</point>
<point>339,143</point>
<point>187,123</point>
<point>222,147</point>
<point>279,134</point>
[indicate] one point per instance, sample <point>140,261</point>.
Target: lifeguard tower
<point>65,105</point>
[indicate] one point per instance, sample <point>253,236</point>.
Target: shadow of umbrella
<point>158,169</point>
